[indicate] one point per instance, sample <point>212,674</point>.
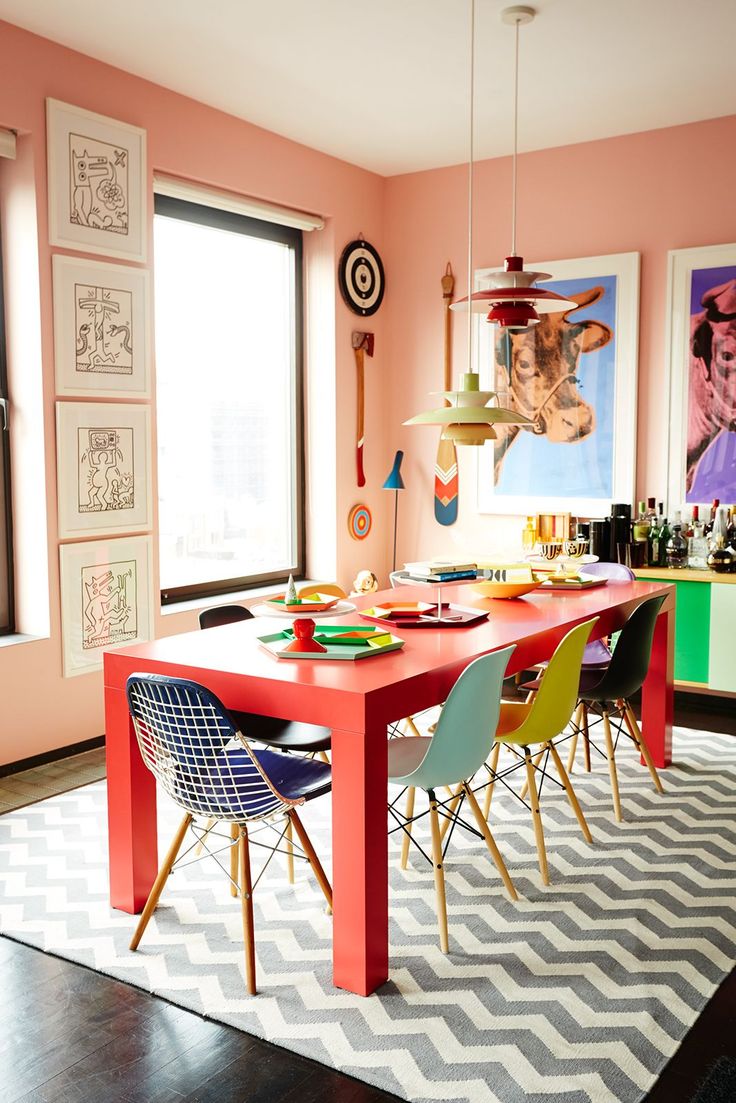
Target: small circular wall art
<point>361,279</point>
<point>359,522</point>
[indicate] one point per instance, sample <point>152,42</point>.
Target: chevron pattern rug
<point>579,993</point>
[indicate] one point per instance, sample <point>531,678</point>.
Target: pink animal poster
<point>711,386</point>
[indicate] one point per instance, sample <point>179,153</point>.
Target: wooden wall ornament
<point>361,278</point>
<point>360,522</point>
<point>362,345</point>
<point>445,467</point>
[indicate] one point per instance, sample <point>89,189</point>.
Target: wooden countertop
<point>685,574</point>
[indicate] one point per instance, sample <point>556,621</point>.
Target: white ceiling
<point>384,83</point>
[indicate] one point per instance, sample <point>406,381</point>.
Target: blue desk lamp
<point>395,482</point>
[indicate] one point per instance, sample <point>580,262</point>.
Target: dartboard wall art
<point>361,278</point>
<point>359,522</point>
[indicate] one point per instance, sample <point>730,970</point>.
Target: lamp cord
<point>516,142</point>
<point>470,186</point>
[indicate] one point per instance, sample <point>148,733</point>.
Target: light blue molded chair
<point>193,747</point>
<point>460,745</point>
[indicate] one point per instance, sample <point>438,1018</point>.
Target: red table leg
<point>657,698</point>
<point>360,859</point>
<point>131,809</point>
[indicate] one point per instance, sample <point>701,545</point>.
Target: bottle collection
<point>649,539</point>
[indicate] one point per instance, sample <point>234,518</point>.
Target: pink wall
<point>40,709</point>
<point>647,192</point>
<point>650,192</point>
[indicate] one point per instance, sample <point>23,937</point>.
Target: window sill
<point>248,597</point>
<point>18,637</point>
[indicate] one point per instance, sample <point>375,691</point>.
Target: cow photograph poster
<point>574,375</point>
<point>702,357</point>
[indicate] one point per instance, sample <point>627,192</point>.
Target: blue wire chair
<point>192,746</point>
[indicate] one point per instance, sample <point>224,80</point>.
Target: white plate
<point>339,610</point>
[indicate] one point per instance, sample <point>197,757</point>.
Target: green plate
<point>342,649</point>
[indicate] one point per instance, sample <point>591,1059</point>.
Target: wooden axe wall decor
<point>362,344</point>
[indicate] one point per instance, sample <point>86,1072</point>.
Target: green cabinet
<point>705,627</point>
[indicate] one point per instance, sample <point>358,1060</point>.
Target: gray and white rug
<point>579,992</point>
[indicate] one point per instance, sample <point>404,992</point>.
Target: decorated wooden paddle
<point>445,468</point>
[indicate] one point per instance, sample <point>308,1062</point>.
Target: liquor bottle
<point>677,545</point>
<point>731,530</point>
<point>641,526</point>
<point>651,511</point>
<point>719,532</point>
<point>713,511</point>
<point>697,554</point>
<point>665,534</point>
<point>653,544</point>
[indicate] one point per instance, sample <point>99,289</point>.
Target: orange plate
<point>400,609</point>
<point>302,606</point>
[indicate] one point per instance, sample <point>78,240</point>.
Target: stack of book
<point>441,570</point>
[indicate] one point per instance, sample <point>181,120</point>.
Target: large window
<point>6,532</point>
<point>228,383</point>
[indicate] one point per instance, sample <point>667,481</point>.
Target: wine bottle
<point>665,533</point>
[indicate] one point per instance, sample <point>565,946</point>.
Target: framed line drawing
<point>103,468</point>
<point>97,183</point>
<point>701,353</point>
<point>575,375</point>
<point>106,588</point>
<point>102,333</point>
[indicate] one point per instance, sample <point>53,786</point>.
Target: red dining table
<point>357,700</point>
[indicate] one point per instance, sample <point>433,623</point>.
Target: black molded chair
<point>609,694</point>
<point>285,735</point>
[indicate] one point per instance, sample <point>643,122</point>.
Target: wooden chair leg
<point>530,696</point>
<point>638,736</point>
<point>536,817</point>
<point>452,808</point>
<point>490,842</point>
<point>411,726</point>
<point>406,833</point>
<point>571,796</point>
<point>525,787</point>
<point>574,741</point>
<point>161,879</point>
<point>493,765</point>
<point>246,907</point>
<point>235,836</point>
<point>312,858</point>
<point>612,768</point>
<point>586,738</point>
<point>439,873</point>
<point>324,756</point>
<point>207,828</point>
<point>289,837</point>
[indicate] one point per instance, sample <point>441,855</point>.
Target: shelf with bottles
<point>683,574</point>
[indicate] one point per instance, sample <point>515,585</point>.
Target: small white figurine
<point>365,582</point>
<point>291,598</point>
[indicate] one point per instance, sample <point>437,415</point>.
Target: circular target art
<point>361,278</point>
<point>359,522</point>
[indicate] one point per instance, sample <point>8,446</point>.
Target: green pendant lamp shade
<point>468,420</point>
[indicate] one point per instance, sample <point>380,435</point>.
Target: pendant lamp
<point>469,419</point>
<point>514,301</point>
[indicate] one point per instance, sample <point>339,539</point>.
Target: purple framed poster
<point>702,334</point>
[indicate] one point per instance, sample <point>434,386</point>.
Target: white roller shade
<point>238,204</point>
<point>7,144</point>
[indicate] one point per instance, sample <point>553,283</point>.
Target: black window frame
<point>6,521</point>
<point>216,217</point>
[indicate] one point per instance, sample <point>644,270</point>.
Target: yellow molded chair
<point>330,588</point>
<point>536,724</point>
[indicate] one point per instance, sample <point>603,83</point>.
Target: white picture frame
<point>103,468</point>
<point>689,273</point>
<point>97,183</point>
<point>106,589</point>
<point>616,278</point>
<point>102,331</point>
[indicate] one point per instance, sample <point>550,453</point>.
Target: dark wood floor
<point>70,1035</point>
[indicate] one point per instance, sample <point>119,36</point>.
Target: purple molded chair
<point>598,653</point>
